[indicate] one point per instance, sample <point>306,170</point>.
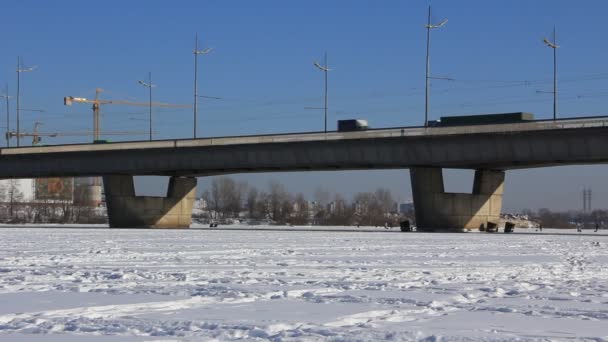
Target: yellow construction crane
<point>68,100</point>
<point>37,136</point>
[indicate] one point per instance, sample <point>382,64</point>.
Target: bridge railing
<point>320,136</point>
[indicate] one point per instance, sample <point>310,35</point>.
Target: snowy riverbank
<point>227,284</point>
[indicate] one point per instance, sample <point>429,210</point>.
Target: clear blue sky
<point>262,68</point>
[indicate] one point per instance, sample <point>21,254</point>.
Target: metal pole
<point>428,67</point>
<point>554,76</point>
<point>8,140</point>
<point>96,128</point>
<point>18,73</point>
<point>195,82</point>
<point>150,87</point>
<point>325,92</point>
<point>96,109</point>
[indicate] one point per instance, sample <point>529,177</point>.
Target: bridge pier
<point>126,210</point>
<point>438,210</point>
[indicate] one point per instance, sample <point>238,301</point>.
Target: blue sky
<point>262,68</point>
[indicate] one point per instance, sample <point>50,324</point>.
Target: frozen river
<point>194,285</point>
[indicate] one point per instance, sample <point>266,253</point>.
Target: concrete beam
<point>438,210</point>
<point>125,210</point>
<point>370,150</point>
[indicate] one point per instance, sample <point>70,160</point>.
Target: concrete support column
<point>438,210</point>
<point>125,210</point>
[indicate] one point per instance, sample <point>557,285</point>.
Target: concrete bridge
<point>488,149</point>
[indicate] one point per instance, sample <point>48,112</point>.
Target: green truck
<point>485,119</point>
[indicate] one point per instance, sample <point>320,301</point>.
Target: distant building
<point>201,204</point>
<point>17,190</point>
<point>331,207</point>
<point>405,208</point>
<point>360,208</point>
<point>81,191</point>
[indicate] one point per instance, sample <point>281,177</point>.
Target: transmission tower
<point>587,194</point>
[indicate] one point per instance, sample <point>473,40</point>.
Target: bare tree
<point>286,207</point>
<point>301,212</point>
<point>225,197</point>
<point>279,201</point>
<point>252,202</point>
<point>547,218</point>
<point>228,196</point>
<point>263,205</point>
<point>364,203</point>
<point>214,199</point>
<point>14,196</point>
<point>321,200</point>
<point>239,198</point>
<point>385,200</point>
<point>376,208</point>
<point>322,196</point>
<point>341,213</point>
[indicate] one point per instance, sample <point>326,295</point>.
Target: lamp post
<point>20,69</point>
<point>429,27</point>
<point>554,46</point>
<point>325,69</point>
<point>197,52</point>
<point>6,97</point>
<point>149,85</point>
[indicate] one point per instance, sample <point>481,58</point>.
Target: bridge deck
<point>542,125</point>
<point>497,147</point>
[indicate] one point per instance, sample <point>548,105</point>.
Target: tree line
<point>50,211</point>
<point>227,198</point>
<point>14,210</point>
<point>568,219</point>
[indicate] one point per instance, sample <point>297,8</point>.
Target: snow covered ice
<point>193,285</point>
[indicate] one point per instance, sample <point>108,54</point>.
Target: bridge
<point>488,149</point>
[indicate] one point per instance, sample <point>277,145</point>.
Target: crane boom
<point>69,134</point>
<point>69,100</point>
<point>37,136</point>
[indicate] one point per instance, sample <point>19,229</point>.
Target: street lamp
<point>554,46</point>
<point>197,52</point>
<point>325,69</point>
<point>429,27</point>
<point>20,69</point>
<point>149,85</point>
<point>6,97</point>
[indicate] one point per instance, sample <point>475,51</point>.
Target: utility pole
<point>325,69</point>
<point>19,71</point>
<point>429,26</point>
<point>149,85</point>
<point>6,97</point>
<point>554,46</point>
<point>150,107</point>
<point>197,52</point>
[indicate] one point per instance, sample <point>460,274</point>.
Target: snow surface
<point>99,284</point>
